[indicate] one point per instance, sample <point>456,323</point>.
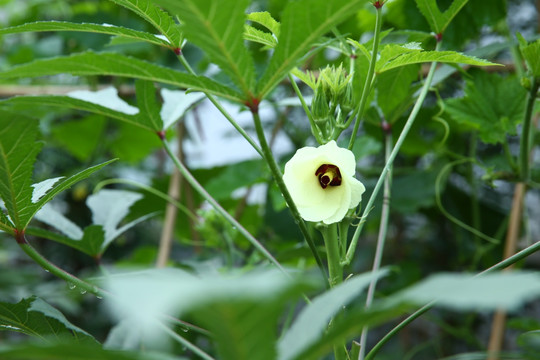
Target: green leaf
<point>531,54</point>
<point>241,311</point>
<point>265,19</point>
<point>394,93</point>
<point>60,186</point>
<point>217,28</point>
<point>493,291</point>
<point>302,24</point>
<point>416,57</point>
<point>492,105</point>
<point>148,106</point>
<point>80,137</point>
<point>34,317</point>
<point>122,147</point>
<point>103,102</point>
<point>313,321</point>
<point>222,186</point>
<point>90,63</point>
<point>159,19</point>
<point>18,151</point>
<point>259,36</point>
<point>73,351</point>
<point>439,21</point>
<point>86,27</point>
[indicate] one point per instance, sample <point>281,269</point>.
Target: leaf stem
<point>381,239</point>
<point>278,177</point>
<point>55,270</point>
<point>202,191</point>
<point>524,149</point>
<point>393,154</point>
<point>222,109</point>
<point>369,78</point>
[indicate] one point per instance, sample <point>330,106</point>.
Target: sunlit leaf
<point>265,19</point>
<point>217,28</point>
<point>160,20</point>
<point>259,36</point>
<point>302,24</point>
<point>90,63</point>
<point>416,57</point>
<point>85,27</point>
<point>35,317</point>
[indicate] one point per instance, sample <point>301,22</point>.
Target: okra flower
<point>321,182</point>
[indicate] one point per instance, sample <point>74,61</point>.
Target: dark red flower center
<point>328,174</point>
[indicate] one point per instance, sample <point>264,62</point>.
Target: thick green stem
<point>369,78</point>
<point>222,109</point>
<point>200,189</point>
<point>331,242</point>
<point>278,177</point>
<point>380,181</point>
<point>381,239</point>
<point>56,271</point>
<point>335,272</point>
<point>524,149</point>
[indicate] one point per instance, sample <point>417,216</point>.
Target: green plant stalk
<point>393,154</point>
<point>499,266</point>
<point>331,243</point>
<point>314,129</point>
<point>335,271</point>
<point>524,149</point>
<point>56,271</point>
<point>222,109</point>
<point>369,78</point>
<point>202,191</point>
<point>278,177</point>
<point>381,239</point>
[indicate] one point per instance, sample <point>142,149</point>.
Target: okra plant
<point>398,176</point>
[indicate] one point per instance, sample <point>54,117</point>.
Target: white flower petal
<point>357,189</point>
<point>327,208</point>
